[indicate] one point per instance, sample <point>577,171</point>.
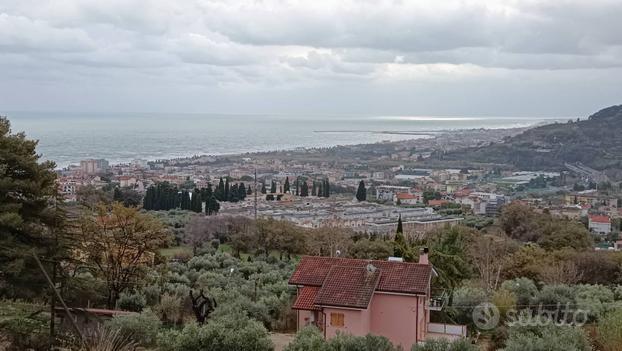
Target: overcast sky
<point>443,57</point>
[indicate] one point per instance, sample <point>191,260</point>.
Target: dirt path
<point>281,340</point>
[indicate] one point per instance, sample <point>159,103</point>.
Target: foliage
<point>162,196</point>
<point>448,254</point>
<point>25,326</point>
<point>463,301</point>
<point>311,339</point>
<point>371,249</point>
<point>128,197</point>
<point>118,242</point>
<point>547,338</point>
<point>592,142</point>
<point>610,330</point>
<point>106,339</point>
<point>361,191</point>
<point>233,332</point>
<point>505,301</point>
<point>595,299</point>
<point>256,289</point>
<point>170,308</point>
<point>446,345</point>
<point>346,342</point>
<point>131,301</point>
<point>524,289</point>
<point>141,328</point>
<point>28,219</point>
<point>522,223</point>
<point>478,222</point>
<point>308,339</point>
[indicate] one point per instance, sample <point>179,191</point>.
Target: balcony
<point>446,331</point>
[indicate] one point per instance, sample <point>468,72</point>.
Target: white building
<point>599,224</point>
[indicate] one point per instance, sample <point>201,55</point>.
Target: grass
<point>176,250</point>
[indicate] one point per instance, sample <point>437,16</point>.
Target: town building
<point>599,224</point>
<point>93,166</point>
<point>486,204</point>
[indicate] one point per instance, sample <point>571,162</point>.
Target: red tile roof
<point>398,277</point>
<point>600,219</point>
<point>350,287</point>
<point>306,298</point>
<point>406,196</point>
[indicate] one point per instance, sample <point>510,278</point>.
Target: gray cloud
<point>293,47</point>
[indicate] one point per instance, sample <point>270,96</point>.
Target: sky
<point>467,58</point>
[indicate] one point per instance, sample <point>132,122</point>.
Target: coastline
<point>434,137</point>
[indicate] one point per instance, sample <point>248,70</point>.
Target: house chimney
<point>423,256</point>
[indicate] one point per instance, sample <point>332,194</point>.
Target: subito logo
<point>486,316</point>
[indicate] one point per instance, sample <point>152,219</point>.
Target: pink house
<point>360,297</point>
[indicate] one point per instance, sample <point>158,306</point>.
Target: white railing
<point>448,329</point>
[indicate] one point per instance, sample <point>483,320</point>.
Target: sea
<point>67,138</point>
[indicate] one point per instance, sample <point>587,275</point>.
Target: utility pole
<point>255,192</point>
<point>60,299</point>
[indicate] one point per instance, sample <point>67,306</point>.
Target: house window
<point>336,320</point>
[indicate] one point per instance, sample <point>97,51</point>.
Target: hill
<point>595,142</point>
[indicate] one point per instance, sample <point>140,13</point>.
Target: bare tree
<point>563,272</point>
<point>488,254</point>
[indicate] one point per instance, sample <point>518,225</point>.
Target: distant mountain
<point>595,142</point>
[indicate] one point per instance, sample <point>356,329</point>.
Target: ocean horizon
<point>67,138</point>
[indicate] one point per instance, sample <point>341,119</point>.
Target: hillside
<point>595,142</point>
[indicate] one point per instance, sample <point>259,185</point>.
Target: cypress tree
<point>361,192</point>
<point>273,187</point>
<point>297,186</point>
<point>320,189</point>
<point>326,188</point>
<point>233,193</point>
<point>400,229</point>
<point>241,191</point>
<point>212,206</point>
<point>149,199</point>
<point>196,205</point>
<point>263,188</point>
<point>314,189</point>
<point>304,189</point>
<point>208,191</point>
<point>286,185</point>
<point>227,190</point>
<point>116,195</point>
<point>220,190</point>
<point>185,200</point>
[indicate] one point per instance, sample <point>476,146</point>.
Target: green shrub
<point>446,345</point>
<point>233,332</point>
<point>596,300</point>
<point>524,289</point>
<point>308,339</point>
<point>24,326</point>
<point>547,338</point>
<point>142,328</point>
<point>311,339</point>
<point>346,342</point>
<point>610,330</point>
<point>131,302</point>
<point>463,297</point>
